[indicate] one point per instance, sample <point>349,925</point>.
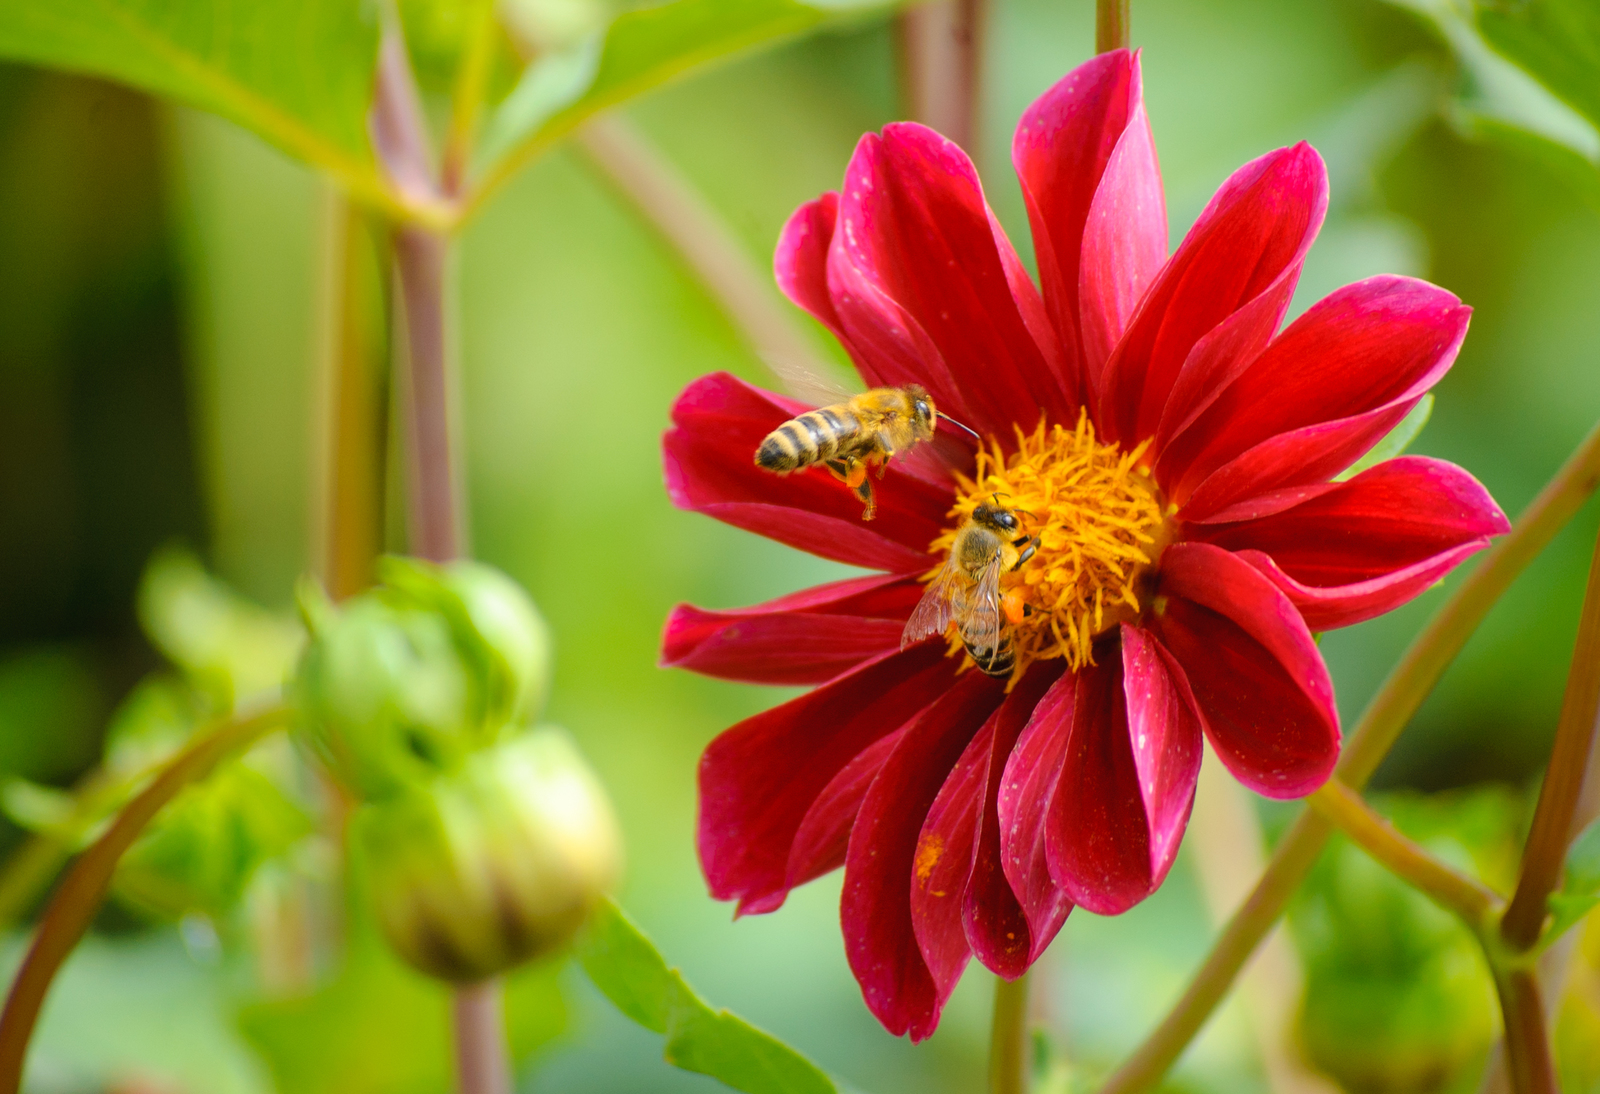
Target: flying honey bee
<point>967,590</point>
<point>851,437</point>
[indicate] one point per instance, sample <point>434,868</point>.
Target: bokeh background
<point>159,278</point>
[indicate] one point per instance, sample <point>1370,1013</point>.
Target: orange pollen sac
<point>1101,524</point>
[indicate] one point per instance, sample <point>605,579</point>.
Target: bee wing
<point>934,611</point>
<point>986,597</point>
<point>807,378</point>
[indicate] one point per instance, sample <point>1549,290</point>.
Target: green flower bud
<point>494,864</point>
<point>403,682</point>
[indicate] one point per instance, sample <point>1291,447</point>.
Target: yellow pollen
<point>1101,524</point>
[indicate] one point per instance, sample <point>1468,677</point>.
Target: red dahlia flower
<point>1175,454</point>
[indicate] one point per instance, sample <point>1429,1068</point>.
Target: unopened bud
<point>403,682</point>
<point>494,864</point>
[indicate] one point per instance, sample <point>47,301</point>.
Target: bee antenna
<point>958,425</point>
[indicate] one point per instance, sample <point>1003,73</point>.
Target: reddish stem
<point>941,48</point>
<point>1110,25</point>
<point>79,896</point>
<point>1552,830</point>
<point>1527,1042</point>
<point>481,1064</point>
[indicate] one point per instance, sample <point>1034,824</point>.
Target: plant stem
<point>708,246</point>
<point>81,891</point>
<point>481,1063</point>
<point>1552,829</point>
<point>941,49</point>
<point>350,479</point>
<point>1407,685</point>
<point>1008,1037</point>
<point>433,501</point>
<point>1448,888</point>
<point>1527,1043</point>
<point>1110,25</point>
<point>466,102</point>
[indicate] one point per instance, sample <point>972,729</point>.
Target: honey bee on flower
<point>1177,454</point>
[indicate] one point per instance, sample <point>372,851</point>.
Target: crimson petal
<point>943,863</point>
<point>719,421</point>
<point>1031,776</point>
<point>1326,389</point>
<point>1130,763</point>
<point>997,927</point>
<point>929,289</point>
<point>759,778</point>
<point>824,834</point>
<point>807,637</point>
<point>1256,674</point>
<point>875,909</point>
<point>1249,243</point>
<point>1360,548</point>
<point>1087,165</point>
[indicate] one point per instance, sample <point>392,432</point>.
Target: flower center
<point>1101,524</point>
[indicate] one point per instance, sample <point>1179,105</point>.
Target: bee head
<point>996,517</point>
<point>922,408</point>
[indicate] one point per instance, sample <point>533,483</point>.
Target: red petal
<point>1130,762</point>
<point>930,290</point>
<point>879,936</point>
<point>759,778</point>
<point>1248,243</point>
<point>824,835</point>
<point>719,421</point>
<point>1255,672</point>
<point>1362,356</point>
<point>1029,782</point>
<point>997,927</point>
<point>800,263</point>
<point>1360,548</point>
<point>1086,143</point>
<point>943,863</point>
<point>805,638</point>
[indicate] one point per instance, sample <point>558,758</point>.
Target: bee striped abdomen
<point>811,438</point>
<point>995,656</point>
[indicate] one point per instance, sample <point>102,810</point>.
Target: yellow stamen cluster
<point>1101,523</point>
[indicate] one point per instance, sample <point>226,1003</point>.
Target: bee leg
<point>863,491</point>
<point>1027,552</point>
<point>839,469</point>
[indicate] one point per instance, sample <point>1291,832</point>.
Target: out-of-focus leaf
<point>379,1028</point>
<point>1556,40</point>
<point>626,966</point>
<point>1397,441</point>
<point>202,850</point>
<point>37,808</point>
<point>50,708</point>
<point>640,50</point>
<point>1580,888</point>
<point>297,72</point>
<point>230,647</point>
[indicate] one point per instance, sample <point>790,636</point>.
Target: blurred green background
<point>159,279</point>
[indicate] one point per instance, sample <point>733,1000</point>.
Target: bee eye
<point>922,410</point>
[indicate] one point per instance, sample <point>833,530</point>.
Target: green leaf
<point>626,966</point>
<point>641,50</point>
<point>297,72</point>
<point>1580,888</point>
<point>1395,442</point>
<point>1556,40</point>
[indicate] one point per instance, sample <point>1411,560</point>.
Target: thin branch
<point>708,246</point>
<point>1008,1037</point>
<point>1527,1039</point>
<point>1553,820</point>
<point>1452,890</point>
<point>941,50</point>
<point>1228,852</point>
<point>1110,25</point>
<point>80,893</point>
<point>1404,690</point>
<point>466,102</point>
<point>482,1065</point>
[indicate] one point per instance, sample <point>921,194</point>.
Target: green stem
<point>1526,1040</point>
<point>1552,829</point>
<point>1110,25</point>
<point>1404,690</point>
<point>1008,1038</point>
<point>79,896</point>
<point>1450,889</point>
<point>466,103</point>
